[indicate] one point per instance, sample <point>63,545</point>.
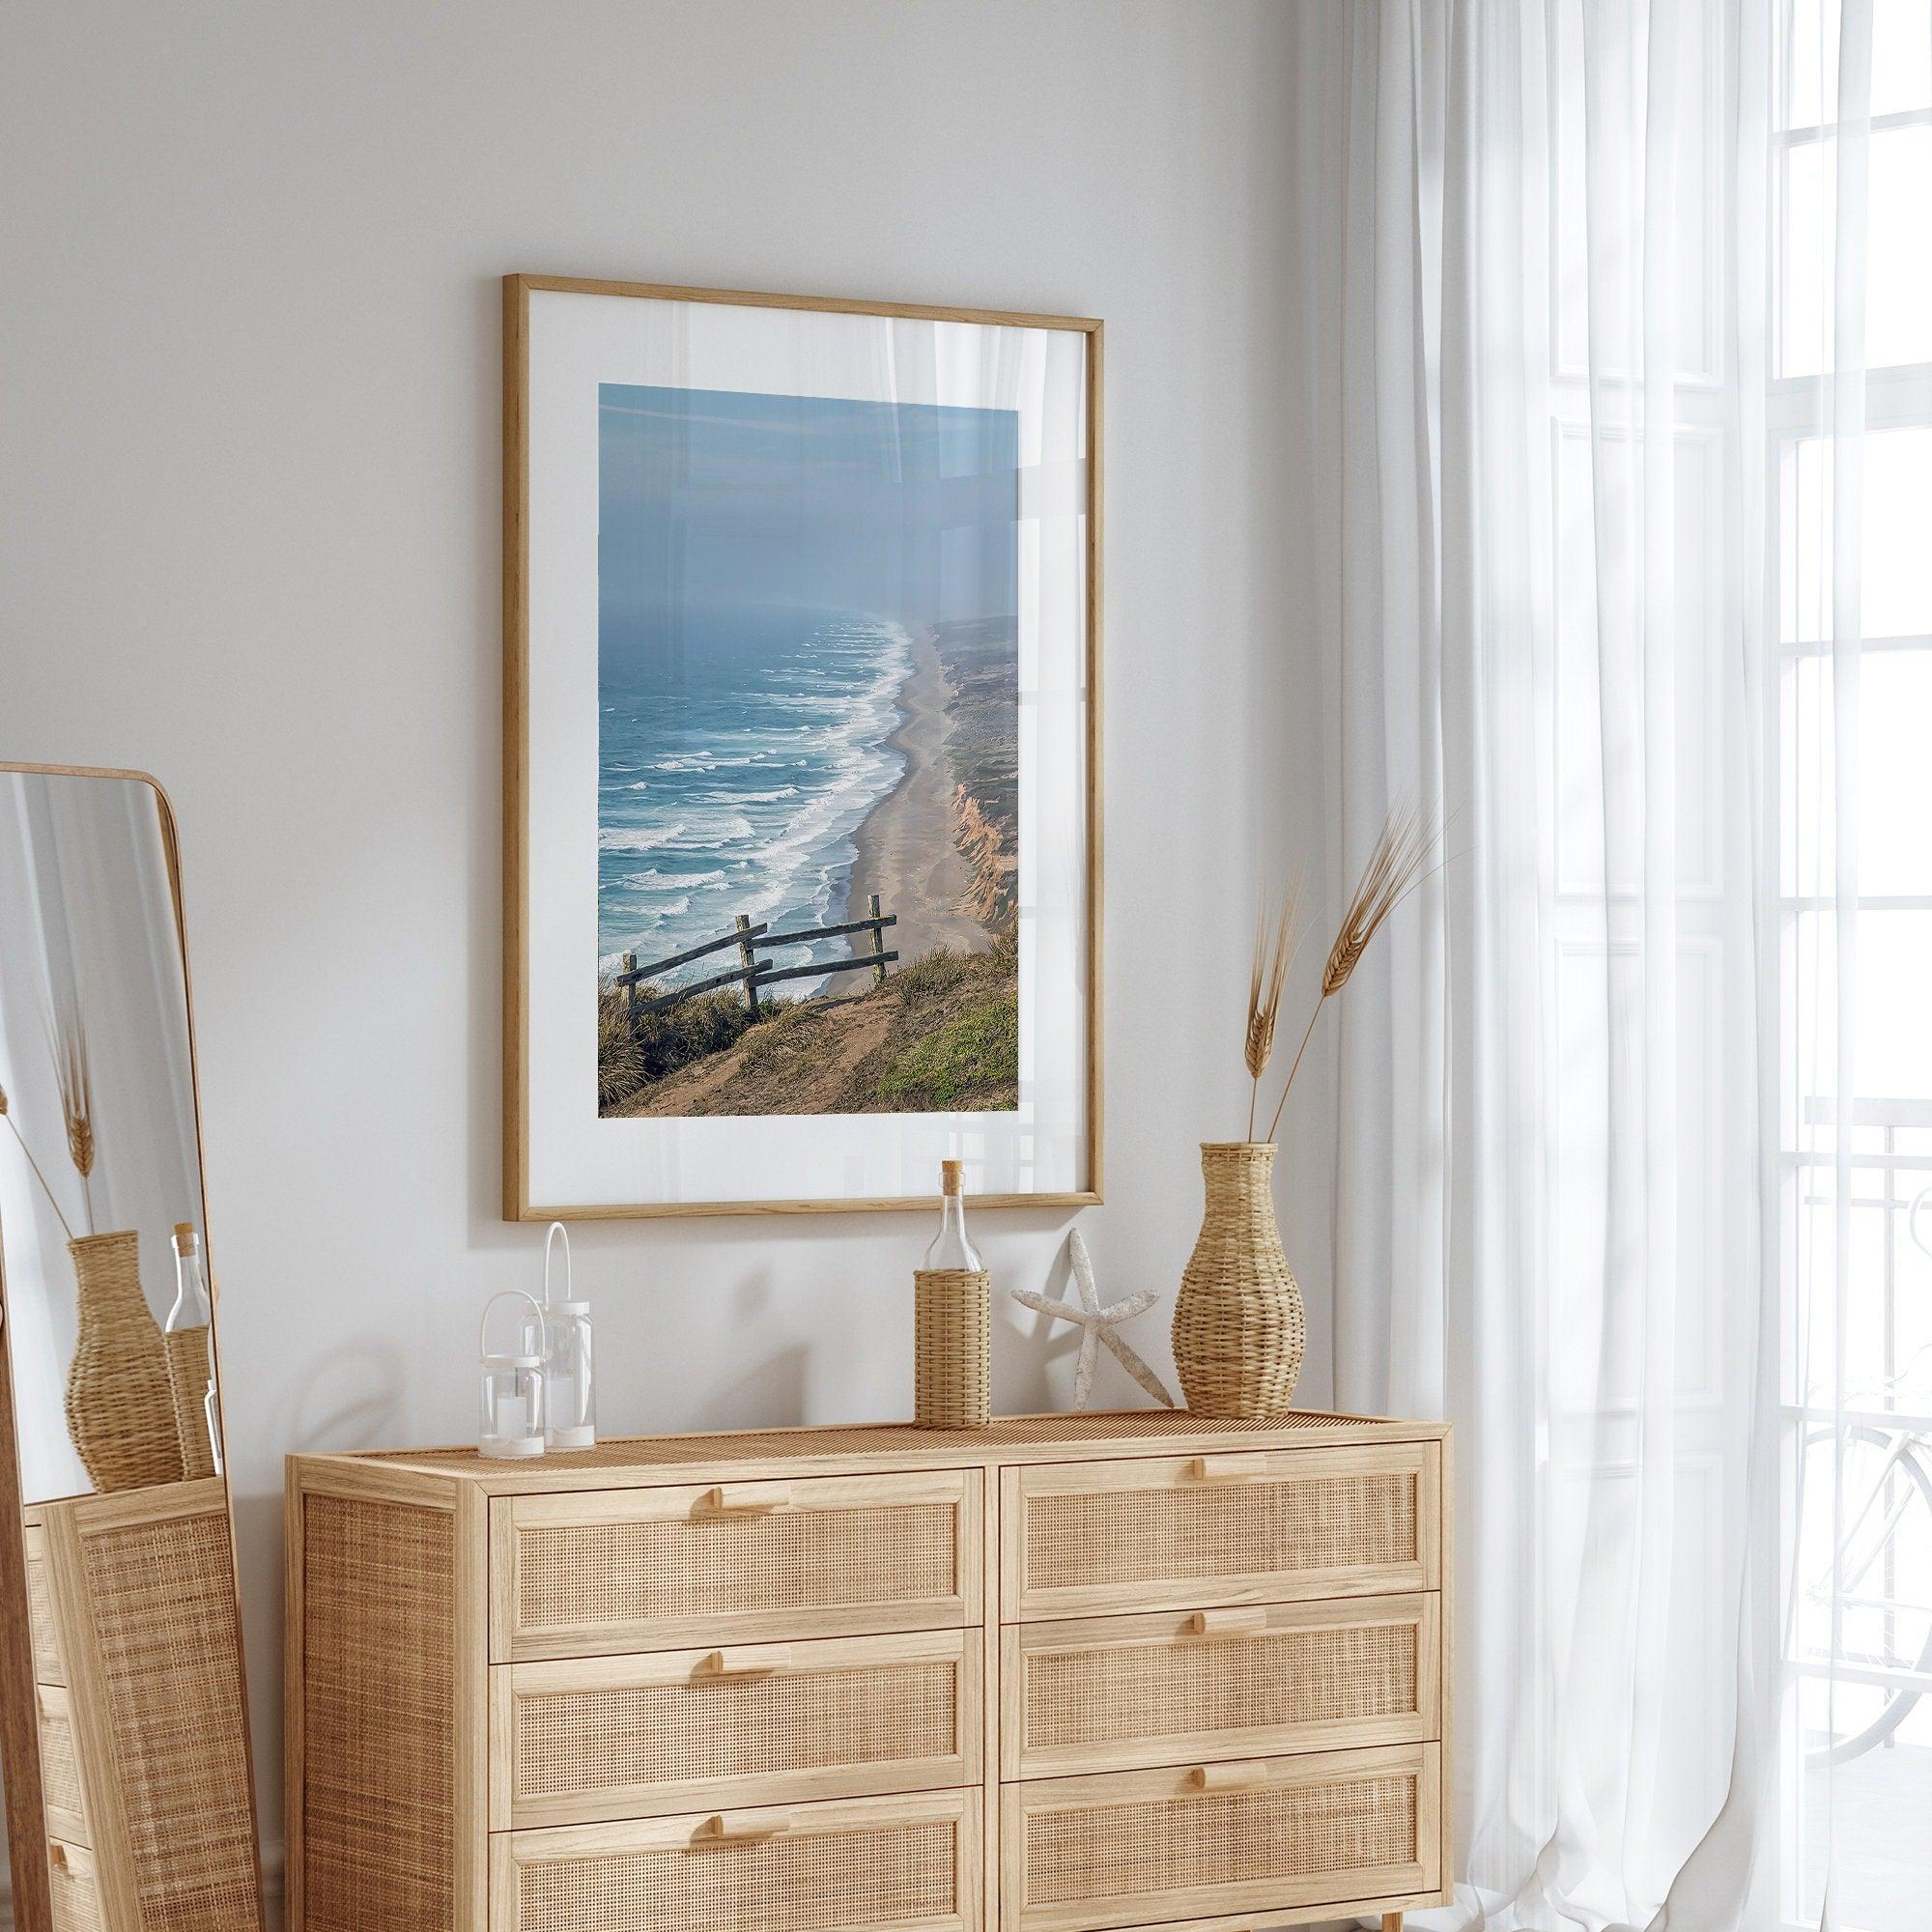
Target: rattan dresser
<point>144,1738</point>
<point>1065,1673</point>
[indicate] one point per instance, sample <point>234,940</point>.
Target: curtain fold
<point>1587,1090</point>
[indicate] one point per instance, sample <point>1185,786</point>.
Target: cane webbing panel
<point>1244,1529</point>
<point>572,1575</point>
<point>48,1666</point>
<point>60,1766</point>
<point>1270,1680</point>
<point>166,1629</point>
<point>76,1900</point>
<point>1153,1427</point>
<point>377,1716</point>
<point>584,1741</point>
<point>1173,1844</point>
<point>895,1875</point>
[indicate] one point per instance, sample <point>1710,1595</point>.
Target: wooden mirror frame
<point>27,1825</point>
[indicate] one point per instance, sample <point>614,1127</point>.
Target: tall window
<point>1850,453</point>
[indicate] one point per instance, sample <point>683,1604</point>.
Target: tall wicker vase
<point>1239,1330</point>
<point>119,1407</point>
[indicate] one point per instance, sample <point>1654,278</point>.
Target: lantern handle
<point>556,1228</point>
<point>508,1294</point>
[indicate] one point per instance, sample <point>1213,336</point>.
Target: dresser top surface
<point>1011,1439</point>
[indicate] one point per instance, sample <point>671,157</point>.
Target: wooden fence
<point>751,971</point>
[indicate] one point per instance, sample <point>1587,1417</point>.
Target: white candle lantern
<point>511,1425</point>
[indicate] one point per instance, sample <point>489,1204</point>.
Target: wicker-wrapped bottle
<point>952,1322</point>
<point>1238,1328</point>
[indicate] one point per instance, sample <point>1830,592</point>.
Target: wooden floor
<point>1881,1807</point>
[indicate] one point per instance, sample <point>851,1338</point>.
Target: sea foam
<point>725,839</point>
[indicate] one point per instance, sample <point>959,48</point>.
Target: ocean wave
<point>666,882</point>
<point>615,839</point>
<point>734,825</point>
<point>795,868</point>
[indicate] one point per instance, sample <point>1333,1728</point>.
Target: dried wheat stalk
<point>76,1097</point>
<point>6,1113</point>
<point>1396,866</point>
<point>1267,973</point>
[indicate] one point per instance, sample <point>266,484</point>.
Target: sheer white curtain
<point>1600,568</point>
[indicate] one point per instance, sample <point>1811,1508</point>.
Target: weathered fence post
<point>878,946</point>
<point>747,957</point>
<point>630,986</point>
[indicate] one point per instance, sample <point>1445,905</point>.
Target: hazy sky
<point>716,504</point>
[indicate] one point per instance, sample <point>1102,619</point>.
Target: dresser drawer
<point>75,1890</point>
<point>1275,1834</point>
<point>61,1788</point>
<point>626,1737</point>
<point>888,1864</point>
<point>1110,1694</point>
<point>629,1570</point>
<point>1185,1531</point>
<point>49,1667</point>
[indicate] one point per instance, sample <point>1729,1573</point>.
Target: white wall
<point>248,539</point>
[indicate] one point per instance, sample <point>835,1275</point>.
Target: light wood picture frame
<point>723,511</point>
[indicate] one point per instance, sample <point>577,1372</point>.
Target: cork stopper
<point>184,1241</point>
<point>950,1175</point>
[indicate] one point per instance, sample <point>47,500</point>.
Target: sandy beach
<point>906,853</point>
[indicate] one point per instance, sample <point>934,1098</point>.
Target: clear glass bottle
<point>186,1341</point>
<point>570,1388</point>
<point>192,1307</point>
<point>572,1422</point>
<point>952,1249</point>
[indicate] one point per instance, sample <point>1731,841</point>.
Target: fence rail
<point>752,971</point>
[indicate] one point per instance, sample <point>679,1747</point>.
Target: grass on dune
<point>635,1050</point>
<point>943,1032</point>
<point>974,1053</point>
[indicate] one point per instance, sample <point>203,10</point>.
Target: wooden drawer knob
<point>1243,1775</point>
<point>763,1662</point>
<point>738,1828</point>
<point>1227,1468</point>
<point>1226,1622</point>
<point>745,1498</point>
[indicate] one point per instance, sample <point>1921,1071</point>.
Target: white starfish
<point>1097,1325</point>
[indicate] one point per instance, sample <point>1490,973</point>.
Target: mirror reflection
<point>109,1314</point>
<point>122,1710</point>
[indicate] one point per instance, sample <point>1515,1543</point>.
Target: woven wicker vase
<point>119,1407</point>
<point>1239,1330</point>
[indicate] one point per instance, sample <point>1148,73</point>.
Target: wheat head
<point>1406,845</point>
<point>1267,973</point>
<point>1396,866</point>
<point>76,1091</point>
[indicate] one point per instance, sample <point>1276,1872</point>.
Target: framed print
<point>802,878</point>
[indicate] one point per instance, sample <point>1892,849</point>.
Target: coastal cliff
<point>981,662</point>
<point>987,849</point>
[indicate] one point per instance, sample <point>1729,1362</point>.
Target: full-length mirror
<point>129,1794</point>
